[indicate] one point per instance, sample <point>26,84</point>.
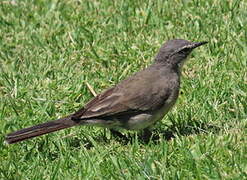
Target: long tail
<point>40,129</point>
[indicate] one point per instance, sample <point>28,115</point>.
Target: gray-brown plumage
<point>135,103</point>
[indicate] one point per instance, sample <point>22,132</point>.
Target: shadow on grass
<point>189,128</point>
<point>144,137</point>
<point>87,142</point>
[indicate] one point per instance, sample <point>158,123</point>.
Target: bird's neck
<point>169,65</point>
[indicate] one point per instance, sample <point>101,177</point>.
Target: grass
<point>50,50</point>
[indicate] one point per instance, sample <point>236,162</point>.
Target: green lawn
<point>51,50</point>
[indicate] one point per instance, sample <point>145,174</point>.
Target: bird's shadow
<point>154,136</point>
<point>189,128</point>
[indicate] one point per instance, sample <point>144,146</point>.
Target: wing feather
<point>145,95</point>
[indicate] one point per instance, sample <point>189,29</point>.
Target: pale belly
<point>142,121</point>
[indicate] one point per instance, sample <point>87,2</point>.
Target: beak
<point>197,44</point>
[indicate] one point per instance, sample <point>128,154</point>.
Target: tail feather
<point>40,129</point>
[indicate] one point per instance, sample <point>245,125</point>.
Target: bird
<point>135,103</point>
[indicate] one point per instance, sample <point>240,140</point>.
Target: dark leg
<point>146,135</point>
<point>149,135</point>
<point>119,135</point>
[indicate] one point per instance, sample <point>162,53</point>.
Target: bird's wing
<point>135,94</point>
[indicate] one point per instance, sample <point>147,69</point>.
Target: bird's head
<point>175,51</point>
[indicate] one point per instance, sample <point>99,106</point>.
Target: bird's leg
<point>146,135</point>
<point>105,137</point>
<point>118,135</point>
